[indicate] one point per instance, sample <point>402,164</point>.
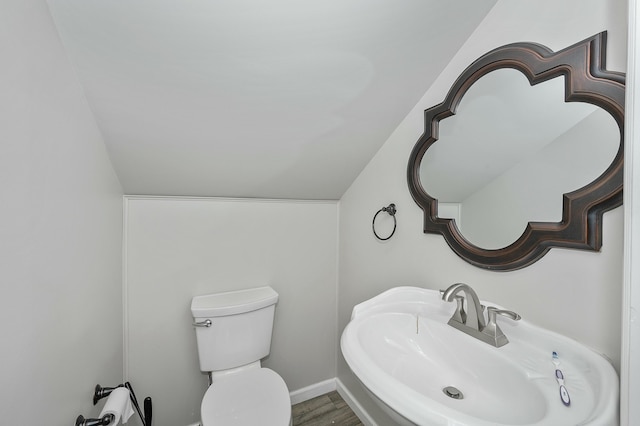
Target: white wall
<point>573,292</point>
<point>60,231</point>
<point>177,248</point>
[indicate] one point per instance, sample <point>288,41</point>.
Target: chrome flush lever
<point>205,323</point>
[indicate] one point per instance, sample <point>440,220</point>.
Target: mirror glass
<point>510,153</point>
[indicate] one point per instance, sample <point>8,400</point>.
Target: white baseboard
<point>355,406</point>
<point>312,391</point>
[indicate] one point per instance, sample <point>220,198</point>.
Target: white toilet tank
<point>241,323</point>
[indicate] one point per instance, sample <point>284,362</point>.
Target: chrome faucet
<point>474,312</point>
<point>471,321</point>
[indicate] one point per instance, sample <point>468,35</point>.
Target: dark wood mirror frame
<point>583,66</point>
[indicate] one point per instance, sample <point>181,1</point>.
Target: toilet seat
<point>254,397</point>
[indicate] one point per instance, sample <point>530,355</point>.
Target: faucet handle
<point>493,312</point>
<point>492,330</point>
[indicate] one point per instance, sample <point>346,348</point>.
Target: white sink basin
<point>400,347</point>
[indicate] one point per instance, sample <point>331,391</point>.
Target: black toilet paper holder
<point>102,392</point>
<point>105,420</point>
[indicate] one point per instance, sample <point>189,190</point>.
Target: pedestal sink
<point>425,372</point>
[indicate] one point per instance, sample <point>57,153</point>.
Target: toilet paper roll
<point>119,404</point>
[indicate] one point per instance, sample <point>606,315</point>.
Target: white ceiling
<point>248,98</point>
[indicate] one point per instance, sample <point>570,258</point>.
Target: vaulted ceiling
<point>248,98</point>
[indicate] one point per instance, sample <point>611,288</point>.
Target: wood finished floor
<point>324,410</point>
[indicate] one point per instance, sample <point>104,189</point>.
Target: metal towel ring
<point>391,209</point>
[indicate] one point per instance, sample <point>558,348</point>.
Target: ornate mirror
<point>529,154</point>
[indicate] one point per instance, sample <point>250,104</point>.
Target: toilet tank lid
<point>232,302</point>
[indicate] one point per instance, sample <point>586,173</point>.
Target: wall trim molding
<point>125,289</point>
<point>227,199</point>
<point>353,403</point>
<point>312,391</point>
<point>630,333</point>
<point>329,385</point>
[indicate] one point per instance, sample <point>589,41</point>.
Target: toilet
<point>233,333</point>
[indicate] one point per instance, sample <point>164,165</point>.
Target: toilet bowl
<point>255,397</point>
<point>233,332</point>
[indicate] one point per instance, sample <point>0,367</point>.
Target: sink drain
<point>453,392</point>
